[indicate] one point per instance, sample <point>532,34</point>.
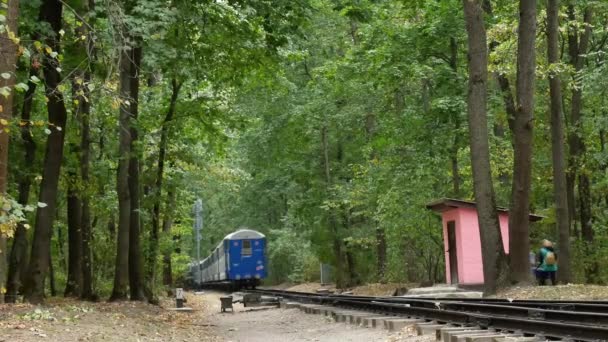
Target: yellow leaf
<point>7,130</point>
<point>48,50</point>
<point>1,109</point>
<point>76,102</point>
<point>13,38</point>
<point>4,122</point>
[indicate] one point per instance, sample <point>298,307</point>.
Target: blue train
<point>239,261</point>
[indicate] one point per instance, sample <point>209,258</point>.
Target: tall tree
<point>489,228</point>
<point>332,215</point>
<point>18,258</point>
<point>51,13</point>
<point>523,124</point>
<point>8,58</point>
<point>577,47</point>
<point>121,273</point>
<point>136,272</point>
<point>453,61</point>
<point>158,185</point>
<point>74,214</point>
<point>167,224</point>
<point>557,143</point>
<point>84,112</point>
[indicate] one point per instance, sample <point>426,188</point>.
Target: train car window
<point>246,250</point>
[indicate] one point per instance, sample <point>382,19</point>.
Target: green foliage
<point>290,258</point>
<point>38,315</point>
<point>11,214</point>
<point>319,123</point>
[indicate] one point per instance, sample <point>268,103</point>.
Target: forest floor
<point>70,320</point>
<point>559,292</point>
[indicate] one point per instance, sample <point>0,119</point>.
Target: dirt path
<point>280,325</point>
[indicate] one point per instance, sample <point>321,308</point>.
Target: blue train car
<point>238,260</point>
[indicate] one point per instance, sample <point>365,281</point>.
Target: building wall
<point>468,243</point>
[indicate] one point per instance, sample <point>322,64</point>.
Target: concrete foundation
<point>517,339</point>
<point>442,291</point>
<point>428,328</point>
<point>398,324</point>
<point>442,334</point>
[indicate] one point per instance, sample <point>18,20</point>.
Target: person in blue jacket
<point>547,263</point>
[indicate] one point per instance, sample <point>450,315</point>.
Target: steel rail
<point>562,305</point>
<point>580,326</point>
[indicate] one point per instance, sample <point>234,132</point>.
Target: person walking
<point>547,266</point>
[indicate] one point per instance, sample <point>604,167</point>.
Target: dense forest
<point>328,125</point>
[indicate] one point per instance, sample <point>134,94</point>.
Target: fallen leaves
<point>559,292</point>
<point>64,319</point>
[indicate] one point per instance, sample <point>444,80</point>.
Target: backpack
<point>550,258</point>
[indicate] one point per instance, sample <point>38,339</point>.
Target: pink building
<point>461,239</point>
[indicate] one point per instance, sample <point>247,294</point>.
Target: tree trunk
<point>333,224</point>
<point>576,48</point>
<point>83,111</point>
<point>136,275</point>
<point>85,157</point>
<point>349,253</point>
<point>353,280</point>
<point>74,282</point>
<point>74,204</point>
<point>112,227</point>
<point>8,58</point>
<point>381,252</point>
<point>18,258</point>
<point>167,223</point>
<point>121,274</point>
<point>52,287</point>
<point>456,122</point>
<point>491,239</point>
<point>158,187</point>
<point>507,98</point>
<point>50,12</point>
<point>370,130</point>
<point>519,215</point>
<point>557,144</point>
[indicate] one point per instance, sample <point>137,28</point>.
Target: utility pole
<point>198,227</point>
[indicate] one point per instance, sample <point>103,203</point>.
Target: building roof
<point>451,203</point>
<point>244,234</point>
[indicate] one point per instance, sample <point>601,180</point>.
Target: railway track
<point>554,320</point>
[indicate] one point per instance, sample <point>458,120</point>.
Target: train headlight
<point>257,276</point>
<point>238,276</point>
